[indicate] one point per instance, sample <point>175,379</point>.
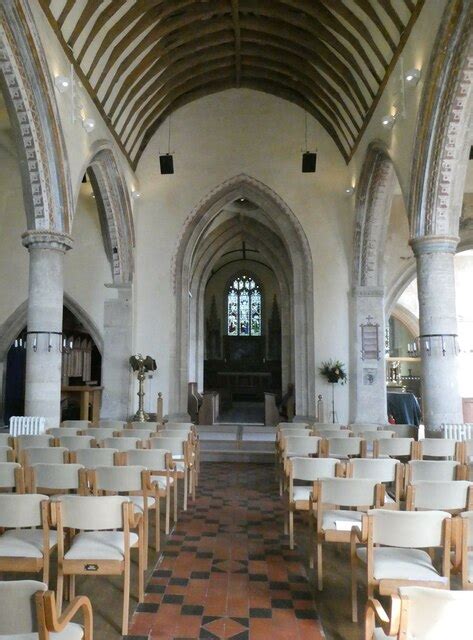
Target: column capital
<point>367,291</point>
<point>46,239</point>
<point>434,244</point>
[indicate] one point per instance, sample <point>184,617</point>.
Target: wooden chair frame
<point>50,622</point>
<point>398,482</point>
<point>18,479</point>
<point>463,532</point>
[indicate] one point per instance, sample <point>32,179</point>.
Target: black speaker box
<point>166,164</point>
<point>309,162</point>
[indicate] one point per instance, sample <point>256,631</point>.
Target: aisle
<point>227,571</point>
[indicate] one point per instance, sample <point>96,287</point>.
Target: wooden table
<point>87,395</point>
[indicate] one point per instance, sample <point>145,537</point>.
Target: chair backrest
<point>56,477</point>
<point>173,433</point>
<point>21,510</point>
<point>129,478</point>
<point>418,470</point>
<point>450,495</point>
<point>49,455</point>
<point>402,447</point>
<point>76,424</point>
<point>152,459</point>
<point>371,436</point>
<point>301,446</point>
<point>57,432</point>
<point>292,433</point>
<point>99,433</point>
<point>327,426</point>
<point>180,426</point>
<point>40,440</point>
<point>11,476</point>
<point>435,614</point>
<point>333,433</point>
<point>147,426</point>
<point>311,469</point>
<point>18,610</point>
<point>91,512</point>
<point>379,469</point>
<point>344,446</point>
<point>348,492</point>
<point>176,446</point>
<point>120,444</point>
<point>141,434</point>
<point>116,425</point>
<point>73,443</point>
<point>420,529</point>
<point>6,440</point>
<point>404,430</point>
<point>6,454</point>
<point>359,428</point>
<point>91,458</point>
<point>438,448</point>
<point>292,425</point>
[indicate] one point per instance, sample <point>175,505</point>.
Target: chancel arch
<point>201,244</point>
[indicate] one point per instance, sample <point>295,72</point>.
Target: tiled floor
<point>227,571</point>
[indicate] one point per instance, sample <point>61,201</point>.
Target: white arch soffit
<point>444,128</point>
<point>18,319</point>
<point>297,246</point>
<point>374,198</point>
<point>31,103</point>
<point>398,286</point>
<point>407,318</point>
<point>114,200</point>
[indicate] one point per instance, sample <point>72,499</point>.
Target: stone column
<point>441,402</point>
<point>368,379</point>
<point>117,349</point>
<point>45,305</point>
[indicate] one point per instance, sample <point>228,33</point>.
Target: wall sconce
<point>350,191</point>
<point>135,194</point>
<point>62,83</point>
<point>88,124</point>
<point>412,77</point>
<point>388,121</point>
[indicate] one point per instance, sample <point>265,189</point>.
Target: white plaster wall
<point>398,255</point>
<point>215,139</point>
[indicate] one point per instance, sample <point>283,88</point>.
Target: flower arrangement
<point>334,371</point>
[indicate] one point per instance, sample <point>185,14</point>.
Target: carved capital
<point>434,244</point>
<point>53,240</point>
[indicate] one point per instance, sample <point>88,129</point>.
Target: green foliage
<point>334,371</point>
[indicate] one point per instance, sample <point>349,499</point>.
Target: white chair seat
<point>99,545</point>
<point>24,543</point>
<point>161,481</point>
<point>301,493</point>
<point>393,563</point>
<point>138,502</point>
<point>73,631</point>
<point>341,520</point>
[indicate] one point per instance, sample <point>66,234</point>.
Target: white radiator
<point>458,431</point>
<point>27,425</point>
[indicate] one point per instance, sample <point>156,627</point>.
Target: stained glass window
<point>244,307</point>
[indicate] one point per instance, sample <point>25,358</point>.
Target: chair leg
<point>291,529</point>
<point>354,599</point>
<point>126,596</point>
<point>146,526</point>
<point>320,577</point>
<point>194,483</point>
<point>46,569</point>
<point>286,522</point>
<point>186,488</point>
<point>311,536</point>
<point>72,587</point>
<point>168,511</point>
<point>59,589</point>
<point>141,573</point>
<point>175,499</point>
<point>157,525</point>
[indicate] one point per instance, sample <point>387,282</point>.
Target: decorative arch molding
<point>287,227</point>
<point>444,128</point>
<point>114,206</point>
<point>373,205</point>
<point>30,100</point>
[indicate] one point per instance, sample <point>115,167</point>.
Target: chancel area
<point>236,319</point>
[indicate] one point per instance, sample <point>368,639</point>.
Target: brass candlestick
<point>142,366</point>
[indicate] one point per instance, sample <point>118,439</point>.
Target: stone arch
<point>287,227</point>
<point>444,128</point>
<point>30,100</point>
<point>114,207</point>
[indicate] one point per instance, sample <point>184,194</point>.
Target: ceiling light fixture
<point>135,194</point>
<point>350,191</point>
<point>412,77</point>
<point>388,121</point>
<point>88,124</point>
<point>62,83</point>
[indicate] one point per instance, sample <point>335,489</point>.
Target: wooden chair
<point>73,443</point>
<point>6,440</point>
<point>421,613</point>
<point>147,426</point>
<point>120,444</point>
<point>394,551</point>
<point>58,432</point>
<point>99,542</point>
<point>308,470</point>
<point>37,441</point>
<point>28,612</point>
<point>141,434</point>
<point>96,457</point>
<point>46,455</point>
<point>370,437</point>
<point>98,433</point>
<point>400,448</point>
<point>387,471</point>
<point>76,424</point>
<point>27,542</point>
<point>56,479</point>
<point>7,454</point>
<point>343,448</point>
<point>182,460</point>
<point>300,446</point>
<point>158,462</point>
<point>417,470</point>
<point>329,434</point>
<point>116,425</point>
<point>12,477</point>
<point>334,509</point>
<point>466,544</point>
<point>453,496</point>
<point>359,428</point>
<point>439,448</point>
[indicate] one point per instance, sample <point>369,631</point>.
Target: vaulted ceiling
<point>142,59</point>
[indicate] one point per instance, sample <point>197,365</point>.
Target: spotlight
<point>309,162</point>
<point>166,163</point>
<point>62,83</point>
<point>412,77</point>
<point>135,195</point>
<point>88,124</point>
<point>388,121</point>
<point>350,191</point>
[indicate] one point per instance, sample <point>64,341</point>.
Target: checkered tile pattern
<point>227,571</point>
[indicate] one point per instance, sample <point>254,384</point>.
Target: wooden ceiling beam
<point>65,12</point>
<point>236,28</point>
<point>367,7</point>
